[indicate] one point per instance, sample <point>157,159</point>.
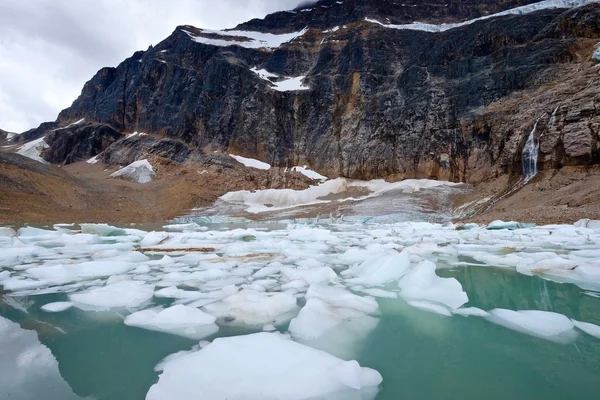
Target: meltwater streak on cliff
<point>529,160</point>
<point>530,155</point>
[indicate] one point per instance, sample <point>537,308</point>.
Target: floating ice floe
<point>259,278</point>
<point>422,284</point>
<point>139,171</point>
<point>6,232</point>
<point>251,162</point>
<point>468,311</point>
<point>177,320</point>
<point>339,297</point>
<point>388,267</point>
<point>262,366</point>
<point>57,307</point>
<point>542,324</point>
<point>29,370</point>
<point>125,294</point>
<point>590,329</point>
<point>252,308</point>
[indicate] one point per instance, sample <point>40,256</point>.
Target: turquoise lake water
<point>420,355</point>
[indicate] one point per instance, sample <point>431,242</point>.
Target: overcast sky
<point>50,48</point>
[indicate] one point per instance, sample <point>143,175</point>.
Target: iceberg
<point>252,308</point>
<point>422,284</point>
<point>177,320</point>
<point>124,294</point>
<point>543,324</point>
<point>262,366</point>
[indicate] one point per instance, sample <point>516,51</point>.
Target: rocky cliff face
<point>327,14</point>
<point>344,87</point>
<point>3,137</point>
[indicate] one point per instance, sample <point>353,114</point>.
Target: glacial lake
<point>419,341</point>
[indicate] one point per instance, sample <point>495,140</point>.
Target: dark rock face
<point>131,149</point>
<point>78,142</point>
<point>381,101</point>
<point>3,137</point>
<point>327,14</point>
<point>35,133</point>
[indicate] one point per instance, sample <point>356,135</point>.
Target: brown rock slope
<point>39,193</point>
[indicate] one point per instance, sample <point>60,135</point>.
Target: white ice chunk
<point>102,230</point>
<point>511,225</point>
<point>139,171</point>
<point>262,366</point>
<point>380,293</point>
<point>317,317</point>
<point>309,275</point>
<point>177,320</point>
<point>57,307</point>
<point>590,329</point>
<point>339,331</point>
<point>543,324</point>
<point>154,238</point>
<point>589,223</point>
<point>85,270</point>
<point>128,294</point>
<point>174,293</point>
<point>389,266</point>
<point>467,311</point>
<point>41,234</point>
<point>555,263</point>
<point>422,283</point>
<point>338,297</point>
<point>427,306</point>
<point>28,369</point>
<point>4,232</point>
<point>249,307</point>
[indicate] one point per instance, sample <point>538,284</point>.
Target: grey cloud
<point>50,48</point>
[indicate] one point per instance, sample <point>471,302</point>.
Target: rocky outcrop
<point>3,137</point>
<point>381,102</point>
<point>78,142</point>
<point>36,133</point>
<point>140,147</point>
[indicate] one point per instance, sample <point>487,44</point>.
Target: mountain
<point>355,88</point>
<point>327,14</point>
<point>5,136</point>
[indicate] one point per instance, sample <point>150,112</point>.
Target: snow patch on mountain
<point>247,39</point>
<point>286,85</point>
<point>138,171</point>
<point>33,150</point>
<point>542,5</point>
